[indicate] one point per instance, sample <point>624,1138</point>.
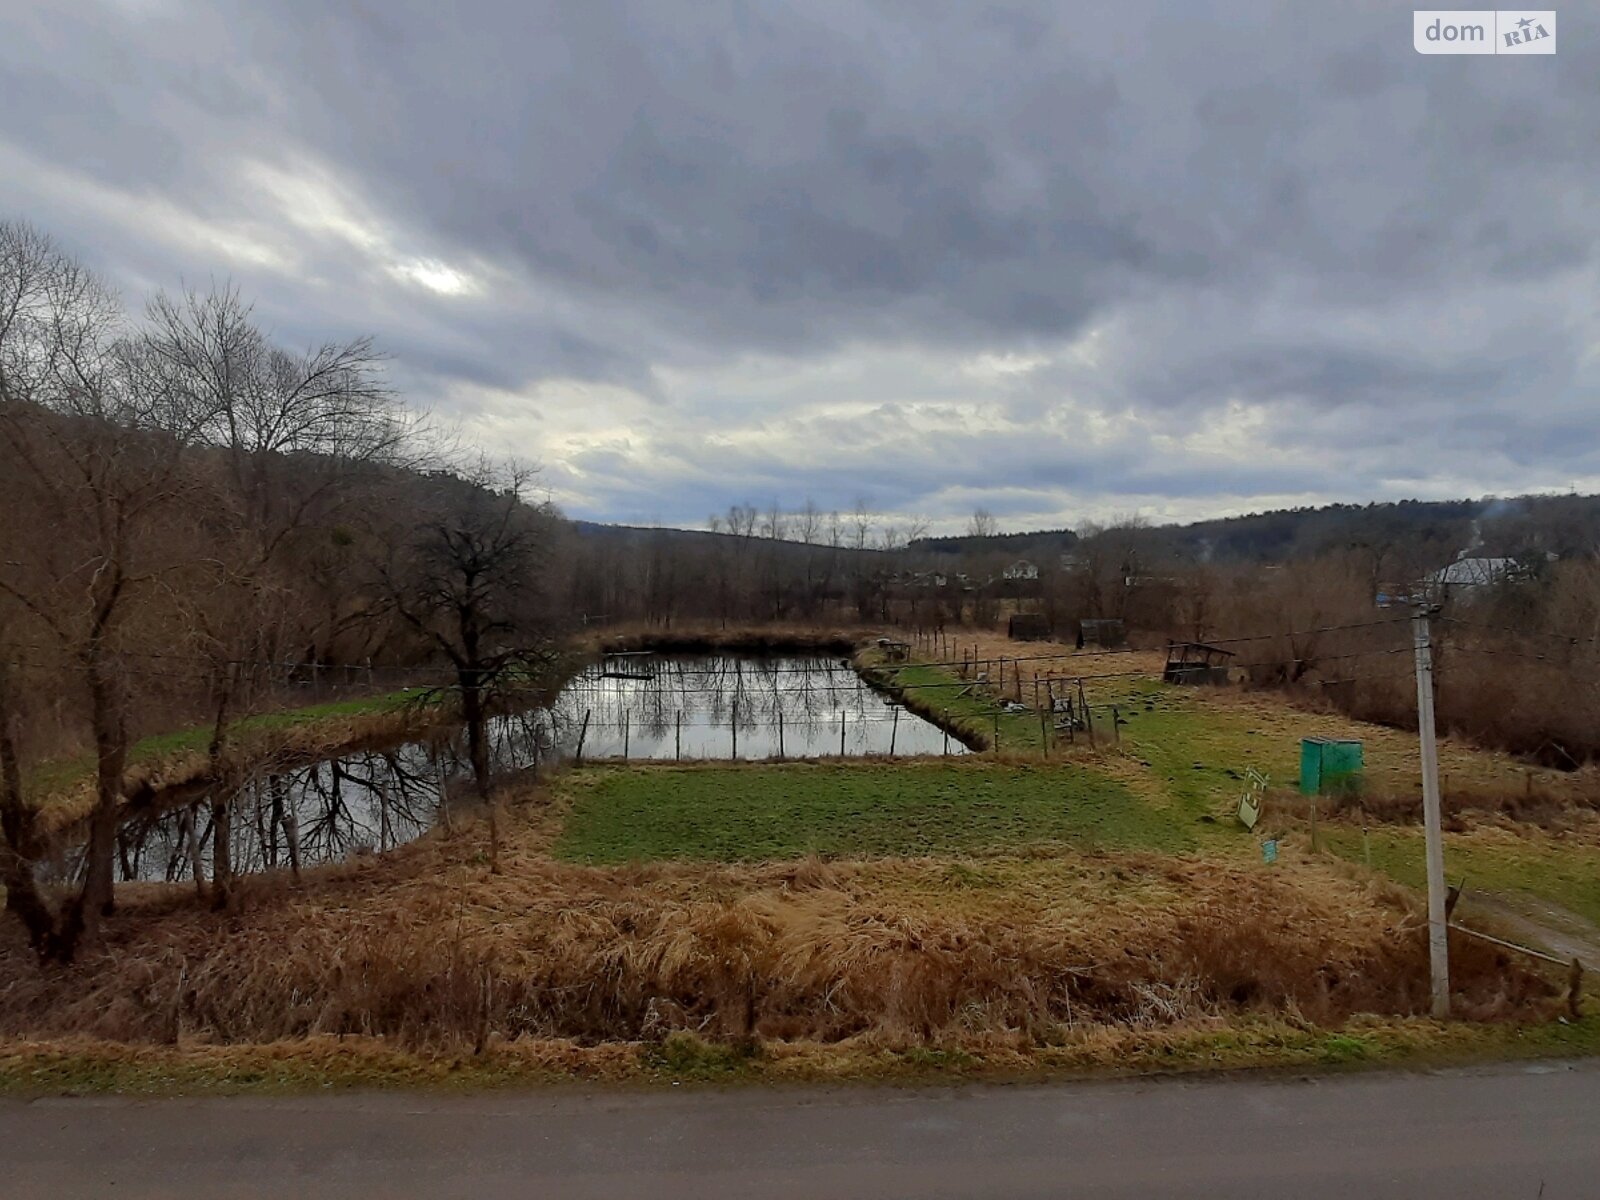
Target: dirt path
<point>1540,923</point>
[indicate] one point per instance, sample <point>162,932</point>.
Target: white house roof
<point>1471,572</point>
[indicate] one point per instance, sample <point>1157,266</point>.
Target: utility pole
<point>1438,938</point>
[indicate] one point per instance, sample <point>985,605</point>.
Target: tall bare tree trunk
<point>472,712</point>
<point>110,747</point>
<point>221,846</point>
<point>191,838</point>
<point>22,889</point>
<point>283,812</point>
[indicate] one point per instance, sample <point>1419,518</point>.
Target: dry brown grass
<point>428,948</point>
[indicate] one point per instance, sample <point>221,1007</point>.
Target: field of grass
<point>1528,863</point>
<point>754,813</point>
<point>1184,751</point>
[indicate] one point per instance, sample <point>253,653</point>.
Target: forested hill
<point>1562,525</point>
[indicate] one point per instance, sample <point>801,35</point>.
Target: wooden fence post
<point>894,730</point>
<point>583,732</point>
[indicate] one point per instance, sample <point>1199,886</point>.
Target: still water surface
<point>633,707</point>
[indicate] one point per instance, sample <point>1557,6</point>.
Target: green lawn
<point>748,813</point>
<point>1531,863</point>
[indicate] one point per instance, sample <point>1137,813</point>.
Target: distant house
<point>1021,569</point>
<point>1467,573</point>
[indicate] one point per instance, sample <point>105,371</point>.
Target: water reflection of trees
<point>634,706</point>
<point>373,800</point>
<point>717,688</point>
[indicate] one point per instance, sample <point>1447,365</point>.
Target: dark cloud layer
<point>1057,259</point>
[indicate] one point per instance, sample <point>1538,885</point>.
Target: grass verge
<point>86,1067</point>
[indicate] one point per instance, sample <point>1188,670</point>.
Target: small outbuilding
<point>894,651</point>
<point>1196,662</point>
<point>1028,627</point>
<point>1106,632</point>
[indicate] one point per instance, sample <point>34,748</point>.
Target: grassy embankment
<point>64,787</point>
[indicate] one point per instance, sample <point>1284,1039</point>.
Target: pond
<point>636,707</point>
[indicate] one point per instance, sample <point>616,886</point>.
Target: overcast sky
<point>1059,260</point>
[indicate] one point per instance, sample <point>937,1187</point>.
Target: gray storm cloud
<point>1070,260</point>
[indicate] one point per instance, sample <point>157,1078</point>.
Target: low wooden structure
<point>1028,627</point>
<point>1196,662</point>
<point>894,651</point>
<point>1106,632</point>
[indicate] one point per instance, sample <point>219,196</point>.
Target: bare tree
<point>296,431</point>
<point>468,577</point>
<point>93,437</point>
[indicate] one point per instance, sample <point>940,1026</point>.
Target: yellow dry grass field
<point>429,948</point>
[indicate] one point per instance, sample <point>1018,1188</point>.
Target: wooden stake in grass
<point>780,733</point>
<point>734,725</point>
<point>677,752</point>
<point>624,734</point>
<point>894,730</point>
<point>583,732</point>
<point>841,733</point>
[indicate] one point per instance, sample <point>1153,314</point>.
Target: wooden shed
<point>1105,632</point>
<point>1196,662</point>
<point>1028,627</point>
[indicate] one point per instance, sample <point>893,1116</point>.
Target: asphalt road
<point>1507,1132</point>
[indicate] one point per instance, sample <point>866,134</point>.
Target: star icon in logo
<point>1524,23</point>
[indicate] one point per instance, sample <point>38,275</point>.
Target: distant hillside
<point>1562,525</point>
<point>689,539</point>
<point>1434,529</point>
<point>1039,544</point>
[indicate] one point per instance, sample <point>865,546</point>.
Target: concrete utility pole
<point>1438,938</point>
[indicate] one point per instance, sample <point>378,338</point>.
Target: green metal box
<point>1329,765</point>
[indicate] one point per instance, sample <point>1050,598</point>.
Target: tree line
<point>194,514</point>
